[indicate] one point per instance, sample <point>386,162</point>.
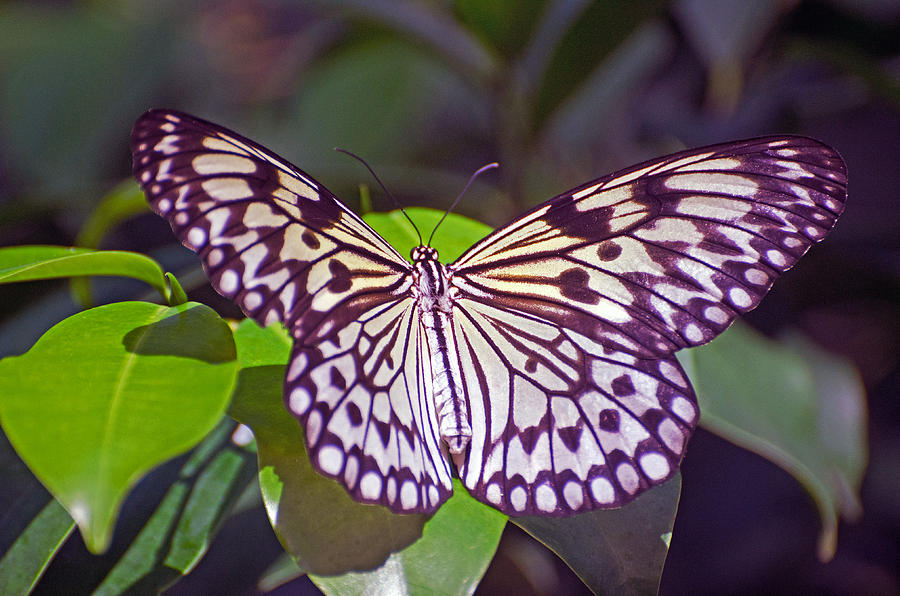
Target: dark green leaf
<point>29,555</point>
<point>793,405</point>
<point>619,551</point>
<point>184,523</point>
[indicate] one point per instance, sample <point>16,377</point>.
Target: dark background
<point>558,93</point>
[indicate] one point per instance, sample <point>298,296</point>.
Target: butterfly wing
<point>284,249</point>
<point>573,312</point>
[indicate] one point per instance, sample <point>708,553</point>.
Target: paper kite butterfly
<point>539,366</point>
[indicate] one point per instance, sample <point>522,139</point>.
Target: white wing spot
<point>370,486</point>
<point>207,164</point>
<point>228,282</point>
<point>574,495</point>
<point>776,258</point>
<point>298,366</point>
<point>654,465</point>
<point>313,427</point>
<point>493,493</point>
<point>408,495</point>
<point>739,297</point>
<point>164,205</point>
<point>331,460</point>
<point>518,498</point>
<point>351,469</point>
<point>671,436</point>
<point>602,490</point>
<point>628,478</point>
<point>433,495</point>
<point>391,491</point>
<point>252,300</point>
<point>671,373</point>
<point>756,277</point>
<point>300,400</point>
<point>716,315</point>
<point>545,497</point>
<point>215,257</point>
<point>227,189</point>
<point>197,238</point>
<point>812,231</point>
<point>683,408</point>
<point>792,242</point>
<point>693,333</point>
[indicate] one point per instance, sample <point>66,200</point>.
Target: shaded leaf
<point>315,519</point>
<point>618,551</point>
<point>456,547</point>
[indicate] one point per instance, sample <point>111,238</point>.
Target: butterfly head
<point>423,253</point>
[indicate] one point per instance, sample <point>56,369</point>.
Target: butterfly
<point>539,366</point>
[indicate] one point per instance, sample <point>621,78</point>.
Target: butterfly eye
<point>543,357</point>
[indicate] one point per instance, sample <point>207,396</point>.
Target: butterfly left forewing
<point>284,249</point>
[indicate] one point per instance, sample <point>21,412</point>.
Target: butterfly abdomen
<point>435,304</point>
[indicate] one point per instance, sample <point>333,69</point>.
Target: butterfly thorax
<point>434,297</point>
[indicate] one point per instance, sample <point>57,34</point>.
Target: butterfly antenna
<point>472,178</point>
<point>384,188</point>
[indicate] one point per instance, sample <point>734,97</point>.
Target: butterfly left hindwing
<point>541,361</point>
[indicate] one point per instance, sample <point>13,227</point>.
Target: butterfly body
<point>539,366</point>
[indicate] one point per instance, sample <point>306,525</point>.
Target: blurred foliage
<point>558,92</point>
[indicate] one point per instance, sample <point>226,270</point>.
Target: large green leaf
<point>792,404</point>
<point>101,398</point>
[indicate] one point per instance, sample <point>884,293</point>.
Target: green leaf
<point>28,557</point>
<point>108,394</point>
<point>453,237</point>
<point>618,551</point>
<point>176,292</point>
<point>456,547</point>
<point>792,404</point>
<point>203,511</point>
<point>28,263</point>
<point>123,202</point>
<point>315,519</point>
